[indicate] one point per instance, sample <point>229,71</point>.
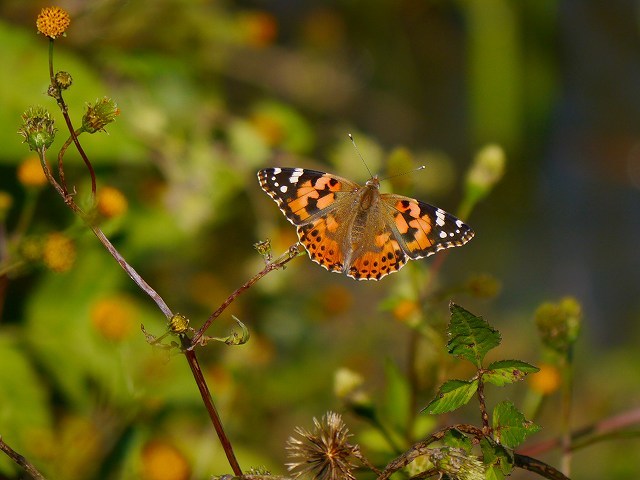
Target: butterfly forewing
<point>425,229</point>
<point>302,193</point>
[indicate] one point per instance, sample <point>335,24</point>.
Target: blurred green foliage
<point>211,91</point>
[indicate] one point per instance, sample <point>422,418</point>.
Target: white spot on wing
<point>295,175</point>
<point>283,189</point>
<point>277,170</point>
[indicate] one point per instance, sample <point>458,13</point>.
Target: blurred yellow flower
<point>30,172</point>
<point>546,381</point>
<point>404,309</point>
<point>6,200</point>
<point>59,252</point>
<point>53,21</point>
<point>111,202</point>
<point>115,317</point>
<point>163,461</point>
<point>260,28</point>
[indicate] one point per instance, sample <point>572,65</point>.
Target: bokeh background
<point>210,92</point>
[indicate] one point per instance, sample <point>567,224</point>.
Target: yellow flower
<point>546,381</point>
<point>59,252</point>
<point>111,202</point>
<point>163,461</point>
<point>30,172</point>
<point>53,21</point>
<point>114,317</point>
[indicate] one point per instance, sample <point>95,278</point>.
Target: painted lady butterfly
<point>357,230</point>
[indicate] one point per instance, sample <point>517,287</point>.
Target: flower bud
<point>99,115</point>
<point>63,80</point>
<point>37,128</point>
<point>487,170</point>
<point>559,324</point>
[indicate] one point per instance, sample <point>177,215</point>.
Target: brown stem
<point>536,466</point>
<point>269,267</point>
<point>600,429</point>
<point>133,274</point>
<point>20,460</point>
<point>483,406</point>
<point>211,408</point>
<point>57,94</point>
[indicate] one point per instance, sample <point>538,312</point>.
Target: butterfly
<point>356,230</point>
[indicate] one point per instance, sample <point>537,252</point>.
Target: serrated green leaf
<point>452,394</point>
<point>456,439</point>
<point>510,427</point>
<point>498,460</point>
<point>507,371</point>
<point>470,337</point>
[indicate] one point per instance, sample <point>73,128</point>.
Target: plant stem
<point>20,460</point>
<point>279,263</point>
<point>211,408</point>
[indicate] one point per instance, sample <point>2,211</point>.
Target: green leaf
<point>507,371</point>
<point>452,394</point>
<point>470,337</point>
<point>498,459</point>
<point>456,439</point>
<point>510,427</point>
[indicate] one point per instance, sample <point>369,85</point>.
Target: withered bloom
<point>322,454</point>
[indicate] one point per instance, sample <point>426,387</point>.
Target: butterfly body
<point>357,230</point>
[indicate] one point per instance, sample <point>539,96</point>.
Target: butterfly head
<point>373,182</point>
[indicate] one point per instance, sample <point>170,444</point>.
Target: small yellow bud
<point>53,21</point>
<point>59,252</point>
<point>111,202</point>
<point>30,172</point>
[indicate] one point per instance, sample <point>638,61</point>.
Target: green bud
<point>63,80</point>
<point>456,463</point>
<point>487,170</point>
<point>99,115</point>
<point>37,128</point>
<point>559,324</point>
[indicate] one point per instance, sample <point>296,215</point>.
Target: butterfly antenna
<point>421,167</point>
<point>359,154</point>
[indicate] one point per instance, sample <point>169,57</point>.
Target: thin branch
<point>211,408</point>
<point>20,460</point>
<point>269,267</point>
<point>582,436</point>
<point>536,466</point>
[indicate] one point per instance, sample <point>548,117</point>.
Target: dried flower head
<point>37,128</point>
<point>322,454</point>
<point>53,21</point>
<point>99,115</point>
